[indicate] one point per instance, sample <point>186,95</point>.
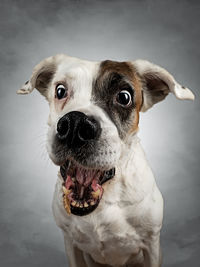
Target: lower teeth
<point>86,204</point>
<point>92,203</point>
<point>75,203</point>
<point>79,204</point>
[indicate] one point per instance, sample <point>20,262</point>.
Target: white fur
<point>128,219</point>
<point>124,230</point>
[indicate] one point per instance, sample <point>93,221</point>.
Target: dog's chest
<point>106,238</point>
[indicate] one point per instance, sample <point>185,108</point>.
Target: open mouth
<point>82,188</point>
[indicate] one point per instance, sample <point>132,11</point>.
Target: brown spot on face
<point>119,75</point>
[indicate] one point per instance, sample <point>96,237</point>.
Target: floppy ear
<point>41,76</point>
<point>157,83</point>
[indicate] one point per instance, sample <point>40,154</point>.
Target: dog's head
<point>94,110</point>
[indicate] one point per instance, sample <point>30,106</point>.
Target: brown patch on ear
<point>127,70</point>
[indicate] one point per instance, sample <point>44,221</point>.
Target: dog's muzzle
<point>82,185</point>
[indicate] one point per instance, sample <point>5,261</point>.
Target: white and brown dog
<point>106,199</point>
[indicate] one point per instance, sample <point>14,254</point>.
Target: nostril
<point>63,127</point>
<point>75,129</point>
<point>88,129</point>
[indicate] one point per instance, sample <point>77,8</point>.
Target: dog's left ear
<point>157,83</point>
<point>41,76</point>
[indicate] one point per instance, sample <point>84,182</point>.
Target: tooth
<point>73,203</point>
<point>73,179</point>
<point>77,204</point>
<point>81,205</point>
<point>96,194</point>
<point>92,203</point>
<point>66,191</point>
<point>86,204</point>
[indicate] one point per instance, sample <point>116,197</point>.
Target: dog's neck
<point>134,177</point>
<point>130,149</point>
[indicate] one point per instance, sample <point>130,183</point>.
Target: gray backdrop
<point>165,32</point>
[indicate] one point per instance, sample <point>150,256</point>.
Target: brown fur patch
<point>126,69</point>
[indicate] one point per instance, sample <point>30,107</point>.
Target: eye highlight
<point>124,98</point>
<point>61,91</point>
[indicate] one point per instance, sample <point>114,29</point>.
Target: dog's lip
<point>74,202</point>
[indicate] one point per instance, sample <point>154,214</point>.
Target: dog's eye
<point>61,91</point>
<point>124,98</point>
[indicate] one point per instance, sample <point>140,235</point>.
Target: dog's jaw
<point>82,188</point>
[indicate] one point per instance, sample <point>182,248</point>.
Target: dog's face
<point>94,112</point>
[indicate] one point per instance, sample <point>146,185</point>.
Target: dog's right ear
<point>157,83</point>
<point>41,76</point>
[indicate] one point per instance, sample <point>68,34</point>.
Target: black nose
<point>75,128</point>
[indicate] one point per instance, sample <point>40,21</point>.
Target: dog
<point>106,200</point>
